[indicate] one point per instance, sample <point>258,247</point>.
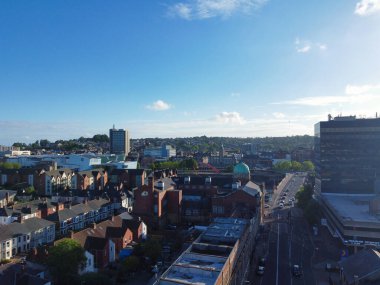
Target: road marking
<point>278,250</point>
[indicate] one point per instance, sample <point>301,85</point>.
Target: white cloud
<point>278,115</point>
<point>235,94</point>
<point>303,49</point>
<point>230,118</point>
<point>204,9</point>
<point>367,7</point>
<point>354,94</point>
<point>304,46</point>
<point>181,10</point>
<point>360,89</point>
<point>159,105</point>
<point>331,100</point>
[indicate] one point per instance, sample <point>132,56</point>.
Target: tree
<point>307,165</point>
<point>296,166</point>
<point>44,143</point>
<point>189,163</point>
<point>100,138</point>
<point>95,278</point>
<point>131,263</point>
<point>30,190</point>
<point>152,249</point>
<point>65,259</point>
<point>283,166</point>
<point>10,165</point>
<point>312,212</point>
<point>304,195</point>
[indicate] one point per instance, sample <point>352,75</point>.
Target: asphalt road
<point>288,241</point>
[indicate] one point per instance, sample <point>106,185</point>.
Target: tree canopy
<point>294,166</point>
<point>309,206</point>
<point>10,165</point>
<point>65,259</point>
<point>190,164</point>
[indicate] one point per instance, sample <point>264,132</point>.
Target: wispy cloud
<point>361,89</point>
<point>278,115</point>
<point>230,118</point>
<point>159,105</point>
<point>235,94</point>
<point>205,9</point>
<point>367,7</point>
<point>354,94</point>
<point>304,46</point>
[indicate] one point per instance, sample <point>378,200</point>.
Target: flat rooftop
<point>352,208</point>
<point>224,230</point>
<point>203,261</point>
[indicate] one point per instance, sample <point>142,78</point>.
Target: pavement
<point>327,250</point>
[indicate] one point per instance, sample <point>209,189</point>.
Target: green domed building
<point>242,172</point>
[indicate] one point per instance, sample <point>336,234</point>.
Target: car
<point>297,271</point>
<point>266,206</point>
<point>281,205</point>
<point>260,270</point>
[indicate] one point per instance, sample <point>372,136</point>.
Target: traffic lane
<point>269,276</point>
<point>284,275</point>
<point>277,257</point>
<point>302,250</point>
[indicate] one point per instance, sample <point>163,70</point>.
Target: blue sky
<point>242,68</point>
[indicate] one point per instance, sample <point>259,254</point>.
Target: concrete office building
<point>347,155</point>
<point>119,141</point>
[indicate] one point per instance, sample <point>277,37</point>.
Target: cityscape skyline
<point>244,68</point>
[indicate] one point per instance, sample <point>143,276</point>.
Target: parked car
<point>297,272</point>
<point>260,270</point>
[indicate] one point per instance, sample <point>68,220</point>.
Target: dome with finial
<point>242,172</point>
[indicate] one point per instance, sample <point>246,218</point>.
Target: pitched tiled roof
<point>252,189</point>
<point>95,243</point>
<point>78,209</point>
<point>5,212</point>
<point>34,224</point>
<point>3,193</point>
<point>12,230</point>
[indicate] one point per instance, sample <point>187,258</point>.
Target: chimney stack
<point>151,182</point>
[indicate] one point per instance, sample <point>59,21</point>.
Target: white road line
<point>278,250</point>
<point>290,250</point>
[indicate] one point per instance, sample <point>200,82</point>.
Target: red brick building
<point>243,202</point>
<point>158,203</point>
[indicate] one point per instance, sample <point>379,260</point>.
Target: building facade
<point>347,184</point>
<point>119,141</point>
<point>347,155</point>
